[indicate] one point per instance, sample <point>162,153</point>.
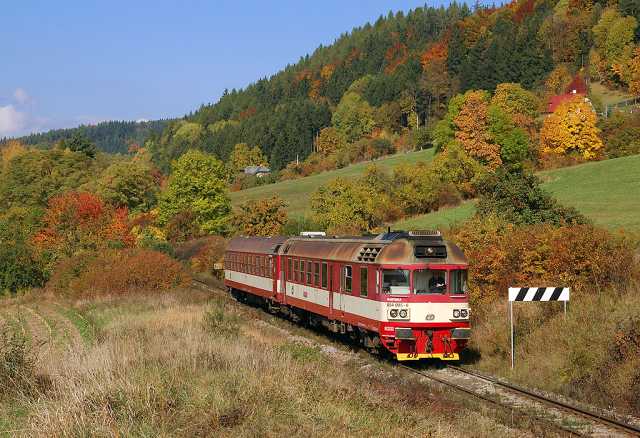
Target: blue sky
<point>71,62</point>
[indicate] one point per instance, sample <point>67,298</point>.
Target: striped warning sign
<point>538,294</point>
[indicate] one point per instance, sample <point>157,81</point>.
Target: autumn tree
<point>243,156</point>
<point>342,206</point>
<point>354,117</point>
<point>128,184</point>
<point>519,104</point>
<point>264,217</point>
<point>571,128</point>
<point>613,38</point>
<point>329,141</point>
<point>10,150</point>
<point>77,221</point>
<point>197,184</point>
<point>472,129</point>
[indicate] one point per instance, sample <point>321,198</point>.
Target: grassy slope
<point>608,192</point>
<point>606,95</point>
<point>296,192</point>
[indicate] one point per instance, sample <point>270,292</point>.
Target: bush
<point>516,196</point>
<point>182,227</point>
<point>503,255</point>
<point>208,253</point>
<point>118,272</point>
<point>621,134</point>
<point>222,320</point>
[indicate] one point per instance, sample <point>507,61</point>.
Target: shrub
<point>208,253</point>
<point>516,196</point>
<point>222,320</point>
<point>118,272</point>
<point>182,227</point>
<point>621,134</point>
<point>503,255</point>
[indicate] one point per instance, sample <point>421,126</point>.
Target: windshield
<point>459,282</point>
<point>429,281</point>
<point>395,281</point>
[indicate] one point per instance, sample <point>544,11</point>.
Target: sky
<point>66,63</point>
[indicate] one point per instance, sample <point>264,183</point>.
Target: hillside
<point>296,192</point>
<point>608,192</point>
<point>112,136</point>
<point>587,187</point>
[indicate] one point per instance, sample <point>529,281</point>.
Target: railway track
<point>566,417</point>
<point>569,418</point>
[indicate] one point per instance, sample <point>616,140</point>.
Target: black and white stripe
<point>538,294</point>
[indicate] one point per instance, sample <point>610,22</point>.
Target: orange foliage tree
<point>571,128</point>
<point>75,222</point>
<point>472,129</point>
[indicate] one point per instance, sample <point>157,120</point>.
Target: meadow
<point>188,362</point>
<point>607,192</point>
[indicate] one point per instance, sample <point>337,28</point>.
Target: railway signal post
<point>533,294</point>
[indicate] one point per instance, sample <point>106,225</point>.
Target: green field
<point>296,193</point>
<point>608,192</point>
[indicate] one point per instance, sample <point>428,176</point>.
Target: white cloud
<point>21,96</point>
<point>11,120</point>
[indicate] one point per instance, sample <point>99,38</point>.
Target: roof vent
<point>369,253</point>
<point>313,234</point>
<point>425,233</point>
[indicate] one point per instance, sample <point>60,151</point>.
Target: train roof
<point>397,247</point>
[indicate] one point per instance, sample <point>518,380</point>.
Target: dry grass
<point>189,364</point>
<point>592,354</point>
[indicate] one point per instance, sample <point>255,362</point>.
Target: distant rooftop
<point>255,170</point>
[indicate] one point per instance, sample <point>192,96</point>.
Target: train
<point>402,293</point>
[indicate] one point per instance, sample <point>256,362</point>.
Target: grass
<point>296,192</point>
<point>608,192</point>
<point>606,95</point>
<point>162,367</point>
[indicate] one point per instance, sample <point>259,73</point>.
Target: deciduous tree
<point>197,183</point>
<point>264,217</point>
<point>571,128</point>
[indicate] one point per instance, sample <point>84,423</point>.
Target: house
<point>258,171</point>
<point>577,87</point>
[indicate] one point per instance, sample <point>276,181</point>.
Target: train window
<point>458,282</point>
<point>270,268</point>
<point>316,274</point>
<point>309,269</point>
<point>296,266</point>
<point>324,276</point>
<point>347,278</point>
<point>289,269</point>
<point>429,281</point>
<point>364,281</point>
<point>395,281</point>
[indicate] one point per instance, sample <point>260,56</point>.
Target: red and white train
<point>400,291</point>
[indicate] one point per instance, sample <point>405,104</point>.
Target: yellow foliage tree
<point>243,156</point>
<point>12,149</point>
<point>571,128</point>
<point>264,217</point>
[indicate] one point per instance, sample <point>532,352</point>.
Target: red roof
<point>577,85</point>
<point>556,101</point>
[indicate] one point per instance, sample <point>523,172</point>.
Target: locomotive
<point>400,292</point>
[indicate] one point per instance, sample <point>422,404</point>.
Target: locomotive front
<point>423,301</point>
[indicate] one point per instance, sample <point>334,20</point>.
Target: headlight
<point>456,313</point>
<point>464,313</point>
<point>393,313</point>
<point>403,313</point>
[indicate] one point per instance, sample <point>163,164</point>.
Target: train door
<point>336,290</point>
